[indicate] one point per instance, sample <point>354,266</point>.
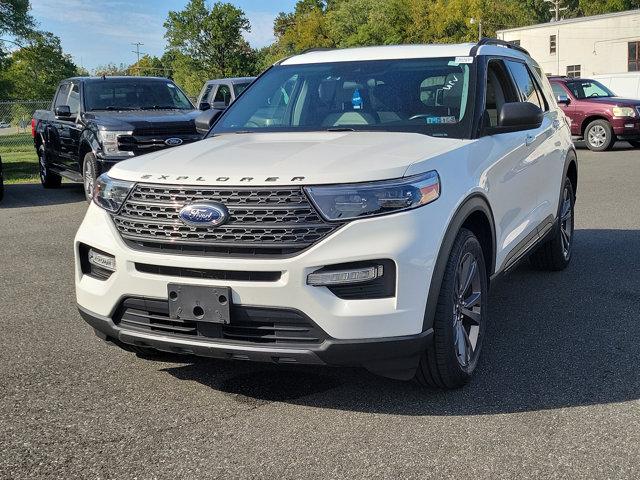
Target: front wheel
<point>89,175</point>
<point>460,320</point>
<point>599,136</point>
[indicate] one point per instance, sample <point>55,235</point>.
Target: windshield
<point>582,89</point>
<point>429,96</point>
<point>238,88</point>
<point>134,95</point>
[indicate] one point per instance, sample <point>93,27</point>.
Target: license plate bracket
<point>199,303</point>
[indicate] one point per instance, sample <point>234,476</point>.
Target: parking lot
<point>557,393</point>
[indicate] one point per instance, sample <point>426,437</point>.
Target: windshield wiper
<point>161,107</point>
<point>341,129</point>
<point>111,108</point>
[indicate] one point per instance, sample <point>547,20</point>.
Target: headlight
<point>109,193</point>
<point>345,202</point>
<point>624,112</point>
<point>109,140</point>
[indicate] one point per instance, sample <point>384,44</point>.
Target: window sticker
<point>171,85</point>
<point>464,60</point>
<point>440,120</point>
<point>356,100</point>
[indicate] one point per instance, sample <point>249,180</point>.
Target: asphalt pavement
<point>557,393</point>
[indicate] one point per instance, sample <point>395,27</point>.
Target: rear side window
<point>526,85</point>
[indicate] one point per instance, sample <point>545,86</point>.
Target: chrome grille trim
<point>259,217</point>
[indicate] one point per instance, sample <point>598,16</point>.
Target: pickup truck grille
<point>262,221</point>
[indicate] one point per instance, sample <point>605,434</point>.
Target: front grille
<point>185,272</point>
<point>166,130</point>
<point>141,144</point>
<point>248,324</point>
<point>262,221</point>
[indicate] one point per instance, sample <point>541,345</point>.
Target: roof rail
<point>316,49</point>
<point>495,41</point>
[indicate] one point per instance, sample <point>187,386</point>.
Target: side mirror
<point>518,116</point>
<point>62,111</point>
<point>204,106</point>
<point>206,119</point>
<point>562,99</point>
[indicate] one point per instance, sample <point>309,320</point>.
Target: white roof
<point>397,52</point>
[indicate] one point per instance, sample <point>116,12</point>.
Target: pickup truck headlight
<point>623,112</point>
<point>109,193</point>
<point>346,202</point>
<point>109,140</point>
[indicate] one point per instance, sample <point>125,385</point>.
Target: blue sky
<point>97,32</point>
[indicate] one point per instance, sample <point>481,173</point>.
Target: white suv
<point>350,208</point>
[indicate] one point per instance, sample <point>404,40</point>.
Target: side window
<point>223,94</point>
<point>558,90</point>
<point>529,90</point>
<point>63,94</point>
<point>498,92</point>
<point>74,98</point>
<point>205,94</point>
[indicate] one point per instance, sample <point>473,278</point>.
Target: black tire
<point>599,136</point>
<point>48,178</point>
<point>443,365</point>
<point>90,173</point>
<point>634,143</point>
<point>555,253</point>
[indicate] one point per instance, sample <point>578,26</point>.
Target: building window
<point>552,44</point>
<point>573,71</point>
<point>515,42</point>
<point>634,56</point>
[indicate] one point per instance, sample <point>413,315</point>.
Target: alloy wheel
<point>467,310</point>
<point>88,179</point>
<point>597,136</point>
<point>566,222</point>
<point>43,166</point>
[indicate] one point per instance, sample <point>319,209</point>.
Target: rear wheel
<point>599,136</point>
<point>460,319</point>
<point>48,178</point>
<point>89,175</point>
<point>555,253</point>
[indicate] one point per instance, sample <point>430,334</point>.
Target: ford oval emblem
<point>173,141</point>
<point>203,214</point>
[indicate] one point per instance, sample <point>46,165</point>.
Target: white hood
<point>286,158</point>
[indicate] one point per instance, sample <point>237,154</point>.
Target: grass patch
<point>19,159</point>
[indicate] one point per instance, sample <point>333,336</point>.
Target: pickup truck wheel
<point>634,143</point>
<point>460,319</point>
<point>89,175</point>
<point>48,179</point>
<point>599,136</point>
<point>555,253</point>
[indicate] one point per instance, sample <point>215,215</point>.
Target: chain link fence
<point>16,145</point>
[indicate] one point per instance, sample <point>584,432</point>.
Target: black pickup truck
<point>95,122</point>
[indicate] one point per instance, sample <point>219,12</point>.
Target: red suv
<point>597,115</point>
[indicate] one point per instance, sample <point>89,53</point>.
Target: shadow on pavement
<point>34,195</point>
<point>556,340</point>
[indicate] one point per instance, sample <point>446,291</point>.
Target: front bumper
<point>396,357</point>
<point>626,128</point>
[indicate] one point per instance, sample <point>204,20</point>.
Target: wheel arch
<point>571,169</point>
<point>474,214</point>
<point>591,118</point>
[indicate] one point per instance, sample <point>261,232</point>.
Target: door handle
<point>529,139</point>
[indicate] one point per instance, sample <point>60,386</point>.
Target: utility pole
<point>137,52</point>
<point>479,22</point>
<point>556,8</point>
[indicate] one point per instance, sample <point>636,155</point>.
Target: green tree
<point>36,69</point>
<point>15,19</point>
<point>593,7</point>
<point>208,43</point>
<point>149,66</point>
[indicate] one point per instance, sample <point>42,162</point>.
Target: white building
<point>584,46</point>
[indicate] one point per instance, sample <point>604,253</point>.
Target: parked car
<point>1,181</point>
<point>597,115</point>
<point>625,84</point>
<point>350,208</point>
<point>220,93</point>
<point>95,122</point>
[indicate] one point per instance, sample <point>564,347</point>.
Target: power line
<point>556,8</point>
<point>137,52</point>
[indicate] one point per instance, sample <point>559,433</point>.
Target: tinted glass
<point>589,89</point>
<point>558,90</point>
<point>63,94</point>
<point>74,99</point>
<point>529,91</point>
<point>133,95</point>
<point>238,88</point>
<point>430,96</point>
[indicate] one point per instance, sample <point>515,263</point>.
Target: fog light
<point>102,260</point>
<point>342,277</point>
